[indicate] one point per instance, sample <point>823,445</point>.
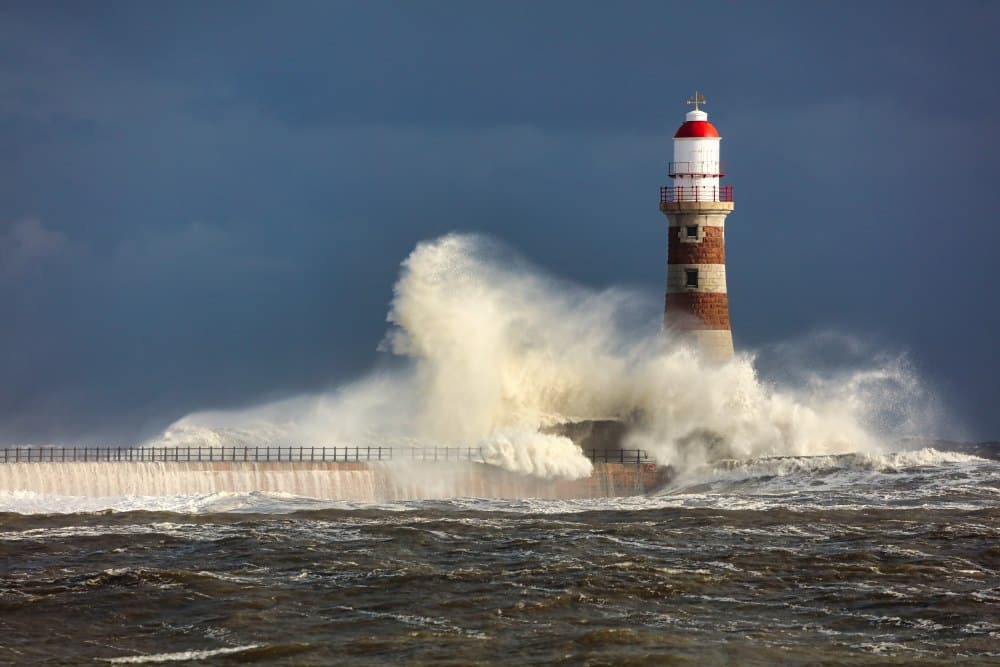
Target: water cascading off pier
<point>437,473</point>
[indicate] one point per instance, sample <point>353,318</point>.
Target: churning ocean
<point>852,559</point>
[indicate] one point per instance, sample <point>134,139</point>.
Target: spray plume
<point>497,351</point>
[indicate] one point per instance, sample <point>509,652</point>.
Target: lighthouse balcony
<point>704,169</point>
<point>672,194</point>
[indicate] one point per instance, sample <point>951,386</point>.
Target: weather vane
<point>696,100</point>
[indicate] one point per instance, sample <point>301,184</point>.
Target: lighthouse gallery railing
<point>672,194</point>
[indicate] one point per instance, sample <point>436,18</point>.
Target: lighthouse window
<point>692,277</point>
<point>692,231</point>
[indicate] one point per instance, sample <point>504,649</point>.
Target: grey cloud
<point>190,245</point>
<point>27,246</point>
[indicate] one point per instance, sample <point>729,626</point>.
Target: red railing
<point>671,194</point>
<point>710,168</point>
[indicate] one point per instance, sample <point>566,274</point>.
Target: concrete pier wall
<point>363,481</point>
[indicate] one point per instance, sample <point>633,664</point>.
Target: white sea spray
<point>497,350</point>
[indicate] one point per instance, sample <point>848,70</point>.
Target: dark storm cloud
<point>202,204</point>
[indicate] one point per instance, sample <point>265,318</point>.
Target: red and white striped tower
<point>697,206</point>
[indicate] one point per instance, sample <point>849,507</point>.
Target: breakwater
<point>334,473</point>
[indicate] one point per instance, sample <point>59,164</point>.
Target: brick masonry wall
<point>711,249</point>
<point>704,310</point>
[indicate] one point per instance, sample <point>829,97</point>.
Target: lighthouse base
<point>714,345</point>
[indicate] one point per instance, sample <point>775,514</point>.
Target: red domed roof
<point>696,129</point>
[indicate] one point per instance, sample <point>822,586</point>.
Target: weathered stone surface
<point>671,208</point>
<point>715,344</point>
<point>711,278</point>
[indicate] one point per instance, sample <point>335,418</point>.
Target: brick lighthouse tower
<point>697,206</point>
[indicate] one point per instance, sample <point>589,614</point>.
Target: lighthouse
<point>696,206</point>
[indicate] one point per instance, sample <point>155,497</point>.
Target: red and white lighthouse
<point>696,206</point>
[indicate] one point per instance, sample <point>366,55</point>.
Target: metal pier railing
<point>278,454</point>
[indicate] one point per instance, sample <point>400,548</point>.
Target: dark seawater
<point>855,560</point>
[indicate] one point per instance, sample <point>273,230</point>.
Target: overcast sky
<point>204,204</point>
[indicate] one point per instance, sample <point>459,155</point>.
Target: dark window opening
<point>692,232</point>
<point>692,277</point>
